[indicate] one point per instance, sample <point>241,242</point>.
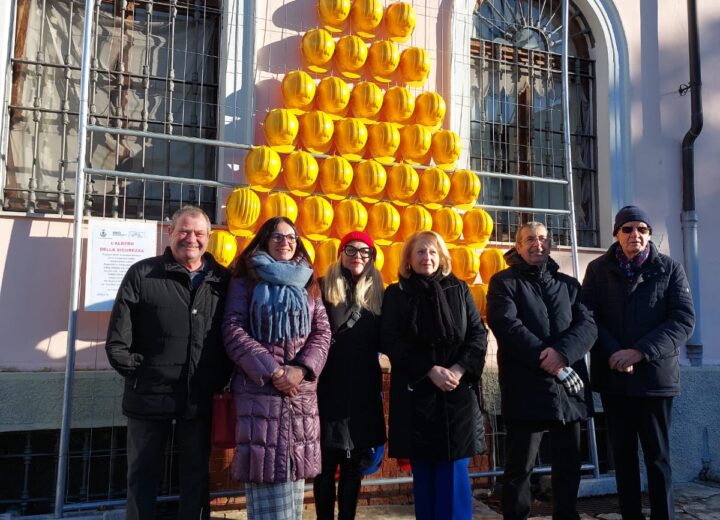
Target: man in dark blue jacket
<point>164,337</point>
<point>543,332</point>
<point>644,312</point>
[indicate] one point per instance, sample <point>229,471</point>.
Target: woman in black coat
<point>436,341</point>
<point>350,386</point>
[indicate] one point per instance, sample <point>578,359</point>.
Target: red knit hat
<point>357,235</point>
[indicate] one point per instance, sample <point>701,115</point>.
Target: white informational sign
<point>112,248</point>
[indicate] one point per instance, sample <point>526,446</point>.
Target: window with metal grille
<point>154,68</point>
<point>97,469</point>
<point>517,121</point>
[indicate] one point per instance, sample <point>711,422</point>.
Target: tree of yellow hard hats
<point>344,156</point>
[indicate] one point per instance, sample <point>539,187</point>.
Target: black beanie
<point>630,214</point>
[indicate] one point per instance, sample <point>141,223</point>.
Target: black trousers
<point>523,442</point>
<point>647,419</point>
<point>146,444</point>
<point>348,484</point>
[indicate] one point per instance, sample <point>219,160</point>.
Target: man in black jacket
<point>164,338</point>
<point>644,311</point>
<point>543,332</point>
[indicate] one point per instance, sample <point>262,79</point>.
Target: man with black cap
<point>644,313</point>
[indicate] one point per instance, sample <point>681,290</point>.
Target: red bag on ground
<point>223,420</point>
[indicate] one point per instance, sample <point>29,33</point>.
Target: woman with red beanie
<point>349,389</point>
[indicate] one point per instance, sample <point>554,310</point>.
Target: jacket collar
<point>211,265</point>
<point>516,262</point>
<point>653,259</point>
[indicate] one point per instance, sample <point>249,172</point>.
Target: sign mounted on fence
<point>112,248</point>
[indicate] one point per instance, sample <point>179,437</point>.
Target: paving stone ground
<point>694,501</point>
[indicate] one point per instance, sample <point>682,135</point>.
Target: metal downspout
<point>77,250</point>
<point>592,443</point>
<point>689,217</point>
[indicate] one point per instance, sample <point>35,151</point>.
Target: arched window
<point>517,116</point>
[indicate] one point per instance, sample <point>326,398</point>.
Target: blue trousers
<point>442,490</point>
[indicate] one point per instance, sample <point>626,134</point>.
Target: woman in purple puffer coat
<point>277,333</point>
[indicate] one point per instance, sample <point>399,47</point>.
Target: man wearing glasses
<point>644,313</point>
<point>543,332</point>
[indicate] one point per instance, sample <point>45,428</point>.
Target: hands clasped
<point>623,360</point>
<point>446,379</point>
<point>287,379</point>
<point>554,363</point>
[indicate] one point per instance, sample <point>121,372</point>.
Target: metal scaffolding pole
<point>567,144</point>
<point>62,466</point>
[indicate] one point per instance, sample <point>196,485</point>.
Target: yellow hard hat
<point>414,218</point>
<point>415,142</point>
<point>316,131</point>
<point>279,204</point>
<point>491,261</point>
<point>398,105</point>
<point>317,48</point>
<point>350,55</point>
<point>383,59</point>
<point>281,129</point>
<point>300,172</point>
<point>366,16</point>
<point>383,222</point>
<point>333,96</point>
<point>334,13</point>
<point>393,257</point>
<point>316,217</point>
<point>400,21</point>
<point>464,189</point>
<point>309,248</point>
<point>465,263</point>
<point>403,182</point>
<point>243,211</point>
<point>262,167</point>
<point>298,91</point>
<point>477,227</point>
<point>414,65</point>
<point>350,215</point>
<point>222,246</point>
<point>366,101</point>
<point>446,147</point>
<point>336,175</point>
<point>350,138</point>
<point>326,252</point>
<point>430,109</point>
<point>434,187</point>
<point>448,223</point>
<point>370,180</point>
<point>479,294</point>
<point>383,142</point>
<point>379,258</point>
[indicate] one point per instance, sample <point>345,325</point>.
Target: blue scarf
<point>279,299</point>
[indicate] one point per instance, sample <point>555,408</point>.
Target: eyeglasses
<point>643,230</point>
<point>541,239</point>
<point>279,237</point>
<point>352,251</point>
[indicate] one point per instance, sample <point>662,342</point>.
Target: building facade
<point>211,71</point>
